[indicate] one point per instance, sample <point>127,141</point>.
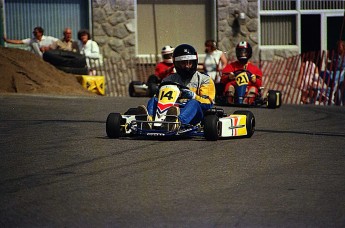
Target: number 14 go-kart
<point>216,124</point>
<point>272,100</point>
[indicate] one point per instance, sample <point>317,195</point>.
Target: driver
<point>163,68</point>
<point>166,67</point>
<point>200,93</point>
<point>243,54</point>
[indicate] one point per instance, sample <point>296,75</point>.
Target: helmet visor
<point>242,53</point>
<point>185,64</point>
<point>168,56</point>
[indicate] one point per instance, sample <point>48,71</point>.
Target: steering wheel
<point>237,72</point>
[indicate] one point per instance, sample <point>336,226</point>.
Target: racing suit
<point>164,69</point>
<point>192,112</point>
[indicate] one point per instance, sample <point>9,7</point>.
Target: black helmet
<point>243,52</point>
<point>183,54</point>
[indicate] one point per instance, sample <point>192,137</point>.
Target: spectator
<point>66,43</point>
<point>310,81</point>
<point>90,49</point>
<point>334,75</point>
<point>338,81</point>
<point>38,43</point>
<point>215,60</point>
<point>243,54</point>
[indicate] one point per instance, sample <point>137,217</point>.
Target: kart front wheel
<point>211,131</point>
<point>250,122</point>
<point>113,125</point>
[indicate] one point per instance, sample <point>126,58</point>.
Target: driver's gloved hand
<point>253,78</point>
<point>231,76</point>
<point>187,94</point>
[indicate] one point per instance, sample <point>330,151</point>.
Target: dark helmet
<point>184,54</point>
<point>243,52</point>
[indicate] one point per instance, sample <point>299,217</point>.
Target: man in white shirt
<point>37,43</point>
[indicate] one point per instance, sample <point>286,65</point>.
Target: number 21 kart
<point>272,100</point>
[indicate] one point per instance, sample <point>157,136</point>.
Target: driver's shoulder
<point>199,74</point>
<point>171,77</point>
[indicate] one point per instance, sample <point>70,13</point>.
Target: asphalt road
<point>58,169</point>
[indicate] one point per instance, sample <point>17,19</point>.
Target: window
<point>53,15</point>
<point>279,20</point>
<point>162,23</point>
<point>278,30</point>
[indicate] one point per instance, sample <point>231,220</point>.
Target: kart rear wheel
<point>131,89</point>
<point>274,99</point>
<point>250,122</point>
<point>279,94</point>
<point>211,131</point>
<point>113,125</point>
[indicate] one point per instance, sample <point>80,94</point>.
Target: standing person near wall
<point>38,43</point>
<point>338,72</point>
<point>215,60</point>
<point>66,43</point>
<point>333,76</point>
<point>90,49</point>
<point>310,80</point>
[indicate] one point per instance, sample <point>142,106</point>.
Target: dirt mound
<point>24,72</point>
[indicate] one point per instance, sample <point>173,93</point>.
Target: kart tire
<point>273,99</point>
<point>211,131</point>
<point>131,90</point>
<point>65,58</point>
<point>279,94</point>
<point>113,125</point>
<point>250,122</point>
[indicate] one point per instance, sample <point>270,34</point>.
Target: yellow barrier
<point>95,84</point>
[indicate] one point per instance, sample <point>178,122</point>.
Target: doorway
<point>335,31</point>
<point>310,33</point>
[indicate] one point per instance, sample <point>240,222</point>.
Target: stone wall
<point>114,27</point>
<point>231,30</point>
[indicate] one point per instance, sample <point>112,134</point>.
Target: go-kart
<point>273,98</point>
<point>142,89</point>
<point>216,124</point>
